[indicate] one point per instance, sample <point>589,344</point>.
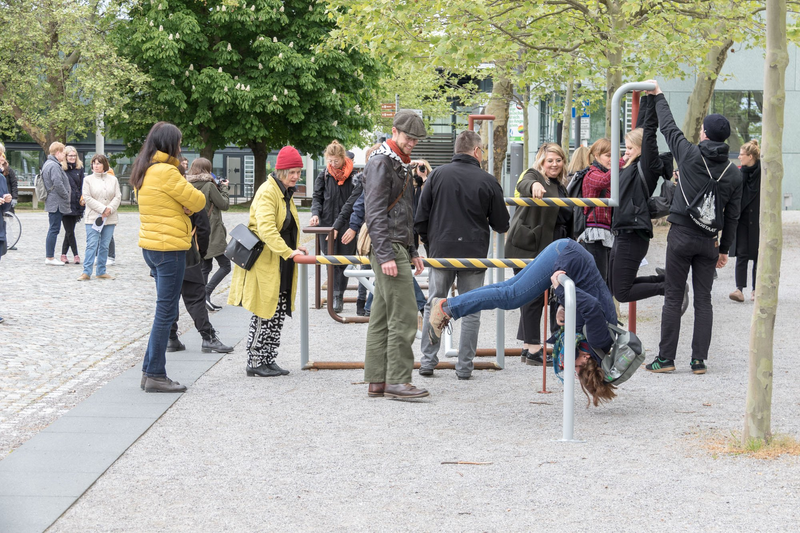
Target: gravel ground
<point>311,452</point>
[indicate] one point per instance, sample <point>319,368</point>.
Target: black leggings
<point>741,271</point>
<point>223,270</point>
<point>69,221</point>
<point>626,256</point>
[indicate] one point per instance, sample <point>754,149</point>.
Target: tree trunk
<point>758,409</point>
<point>502,93</point>
<point>614,56</point>
<point>703,89</point>
<point>566,121</point>
<point>260,153</point>
<point>208,149</point>
<point>526,121</point>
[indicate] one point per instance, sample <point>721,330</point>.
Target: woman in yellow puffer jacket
<point>166,200</point>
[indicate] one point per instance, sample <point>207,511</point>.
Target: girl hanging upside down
<point>595,307</point>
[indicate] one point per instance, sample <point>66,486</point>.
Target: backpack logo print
<point>708,211</point>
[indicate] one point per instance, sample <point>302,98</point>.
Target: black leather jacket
<point>384,181</point>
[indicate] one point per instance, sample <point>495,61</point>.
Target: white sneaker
<point>110,261</point>
<point>54,262</point>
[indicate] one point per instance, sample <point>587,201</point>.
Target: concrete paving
<point>311,452</point>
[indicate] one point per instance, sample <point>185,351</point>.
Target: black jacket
<point>458,204</point>
<point>342,221</point>
<point>330,197</point>
<point>532,228</point>
<point>13,185</point>
<point>385,179</point>
<point>75,176</point>
<point>200,221</point>
<point>748,228</point>
<point>693,175</point>
<point>632,213</point>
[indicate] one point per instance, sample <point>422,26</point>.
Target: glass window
<point>744,110</point>
<point>26,164</point>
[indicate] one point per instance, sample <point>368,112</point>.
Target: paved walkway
<point>311,452</point>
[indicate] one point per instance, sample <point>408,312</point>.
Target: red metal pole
<point>634,108</point>
<point>472,118</point>
<point>632,317</point>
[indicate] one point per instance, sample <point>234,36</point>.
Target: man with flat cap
<point>706,201</point>
<point>389,213</point>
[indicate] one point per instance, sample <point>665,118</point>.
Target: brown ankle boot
<point>376,390</point>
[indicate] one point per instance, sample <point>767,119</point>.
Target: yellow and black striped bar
<point>560,202</point>
<point>471,263</point>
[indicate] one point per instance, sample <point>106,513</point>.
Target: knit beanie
<point>717,127</point>
<point>289,157</point>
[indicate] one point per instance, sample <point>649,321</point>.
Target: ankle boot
<point>338,304</point>
<point>360,307</point>
<point>213,344</point>
<point>175,345</point>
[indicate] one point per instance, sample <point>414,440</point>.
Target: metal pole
<point>99,139</point>
<point>500,319</point>
<point>613,201</point>
<point>303,274</point>
<point>570,304</point>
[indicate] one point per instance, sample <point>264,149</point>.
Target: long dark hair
<point>163,137</point>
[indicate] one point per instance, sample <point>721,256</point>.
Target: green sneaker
<point>661,365</point>
<point>698,366</point>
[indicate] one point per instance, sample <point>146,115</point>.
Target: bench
<point>28,190</point>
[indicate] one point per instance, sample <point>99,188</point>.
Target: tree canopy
<point>58,72</point>
<point>257,73</point>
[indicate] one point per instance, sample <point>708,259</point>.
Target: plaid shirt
<point>597,184</point>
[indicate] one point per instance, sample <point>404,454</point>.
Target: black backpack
<point>575,190</point>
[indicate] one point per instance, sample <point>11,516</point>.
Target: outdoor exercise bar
<point>570,303</point>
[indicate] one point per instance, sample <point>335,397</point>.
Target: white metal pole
<point>568,424</point>
<point>303,274</point>
<point>613,201</point>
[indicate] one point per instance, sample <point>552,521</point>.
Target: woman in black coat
<point>73,167</point>
<point>747,230</point>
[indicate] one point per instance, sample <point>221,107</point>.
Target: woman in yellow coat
<point>165,201</point>
<point>268,289</point>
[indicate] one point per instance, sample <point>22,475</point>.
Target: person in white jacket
<point>102,197</point>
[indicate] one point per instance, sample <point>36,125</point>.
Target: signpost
<point>388,110</point>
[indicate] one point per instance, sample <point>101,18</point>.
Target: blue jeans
<point>52,233</point>
<point>97,247</point>
<point>167,269</point>
<point>531,282</point>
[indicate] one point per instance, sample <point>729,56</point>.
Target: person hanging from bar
<point>595,307</point>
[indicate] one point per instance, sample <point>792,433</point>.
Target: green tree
<point>758,410</point>
<point>257,73</point>
<point>58,72</point>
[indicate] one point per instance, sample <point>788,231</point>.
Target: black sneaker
<point>698,366</point>
<point>661,365</point>
<point>425,371</point>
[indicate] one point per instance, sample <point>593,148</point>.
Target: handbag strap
<point>405,185</point>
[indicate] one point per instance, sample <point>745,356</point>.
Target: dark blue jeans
<point>52,233</point>
<point>526,286</point>
<point>167,269</point>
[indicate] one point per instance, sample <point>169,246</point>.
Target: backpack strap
<point>709,172</point>
<point>405,185</point>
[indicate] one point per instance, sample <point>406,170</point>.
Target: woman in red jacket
<point>597,238</point>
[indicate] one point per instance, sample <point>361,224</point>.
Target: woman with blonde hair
<point>532,229</point>
<point>581,158</point>
<point>73,167</point>
<point>748,227</point>
<point>332,189</point>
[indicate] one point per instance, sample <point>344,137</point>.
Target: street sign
<point>388,107</point>
<point>387,114</point>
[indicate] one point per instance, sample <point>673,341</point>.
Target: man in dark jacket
<point>706,173</point>
<point>388,203</point>
<point>193,291</point>
<point>458,205</point>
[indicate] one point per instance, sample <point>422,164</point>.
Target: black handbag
<point>658,206</point>
<point>244,247</point>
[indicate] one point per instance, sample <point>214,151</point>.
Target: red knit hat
<point>289,157</point>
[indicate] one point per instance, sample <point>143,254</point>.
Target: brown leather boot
<point>376,390</point>
<point>404,391</point>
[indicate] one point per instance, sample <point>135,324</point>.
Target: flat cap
<point>410,123</point>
